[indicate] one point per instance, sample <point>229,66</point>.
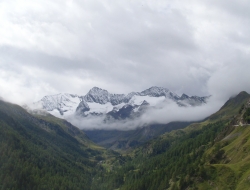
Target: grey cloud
<point>237,8</point>
<point>52,63</point>
<point>123,46</point>
<point>230,80</point>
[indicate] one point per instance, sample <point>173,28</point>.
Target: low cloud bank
<point>160,114</point>
<point>172,112</point>
<point>98,122</point>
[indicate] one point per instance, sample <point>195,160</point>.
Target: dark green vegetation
<point>158,162</point>
<point>43,152</point>
<point>213,154</point>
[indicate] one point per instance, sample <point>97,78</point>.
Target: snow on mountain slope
<point>98,102</point>
<point>62,104</point>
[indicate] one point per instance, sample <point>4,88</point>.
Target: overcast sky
<point>193,47</point>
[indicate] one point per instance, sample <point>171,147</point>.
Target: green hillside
<point>44,153</point>
<point>213,154</point>
<point>230,108</point>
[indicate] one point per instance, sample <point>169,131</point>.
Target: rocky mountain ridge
<point>99,101</point>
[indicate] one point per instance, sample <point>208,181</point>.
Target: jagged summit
<point>97,95</point>
<point>102,96</point>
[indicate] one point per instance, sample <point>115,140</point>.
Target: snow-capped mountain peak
<point>100,102</point>
<point>101,96</point>
<point>97,95</point>
<point>58,104</point>
<point>59,101</point>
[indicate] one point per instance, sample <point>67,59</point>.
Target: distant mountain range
<point>118,106</point>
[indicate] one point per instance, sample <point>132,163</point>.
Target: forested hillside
<point>208,155</point>
<point>40,154</point>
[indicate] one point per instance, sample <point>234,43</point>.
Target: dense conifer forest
<point>180,158</point>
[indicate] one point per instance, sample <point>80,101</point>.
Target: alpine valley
<point>41,151</point>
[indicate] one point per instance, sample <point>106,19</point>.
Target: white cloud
<point>193,46</point>
<point>163,114</point>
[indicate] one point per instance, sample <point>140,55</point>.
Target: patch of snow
<point>64,104</point>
